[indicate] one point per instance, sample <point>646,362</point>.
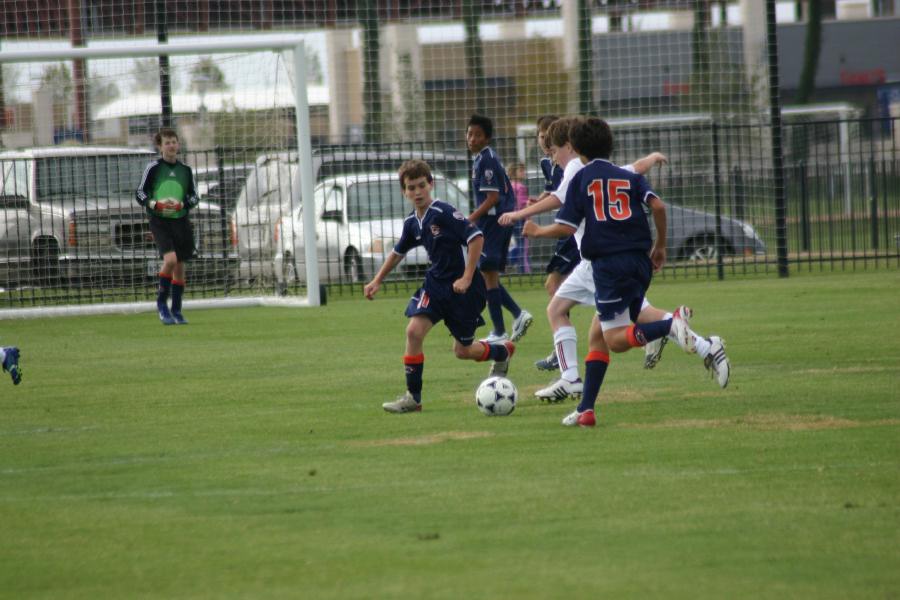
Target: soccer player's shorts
<point>461,313</point>
<point>173,235</point>
<point>579,285</point>
<point>565,257</point>
<point>496,245</point>
<point>621,282</point>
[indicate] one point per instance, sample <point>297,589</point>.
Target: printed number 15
<point>614,199</point>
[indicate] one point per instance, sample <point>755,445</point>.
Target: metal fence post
<point>777,140</point>
<point>804,207</point>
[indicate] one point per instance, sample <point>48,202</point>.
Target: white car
<point>359,218</point>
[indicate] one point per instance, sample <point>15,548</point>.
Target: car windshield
<point>89,176</point>
<point>383,199</point>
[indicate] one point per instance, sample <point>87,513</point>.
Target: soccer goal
<point>78,134</point>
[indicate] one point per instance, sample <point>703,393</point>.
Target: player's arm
<point>554,230</point>
<point>547,203</point>
<point>390,262</point>
<point>191,199</point>
<point>475,245</point>
<point>145,187</point>
<point>490,200</point>
<point>642,165</point>
<point>658,212</point>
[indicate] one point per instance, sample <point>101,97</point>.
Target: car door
<point>15,221</point>
<point>331,228</point>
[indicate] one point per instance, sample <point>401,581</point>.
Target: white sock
<point>702,345</point>
<point>2,354</point>
<point>566,341</point>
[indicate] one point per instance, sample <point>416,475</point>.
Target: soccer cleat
<point>551,363</point>
<point>653,352</point>
<point>11,364</point>
<point>581,419</point>
<point>404,404</point>
<point>165,316</point>
<point>500,368</point>
<point>521,325</point>
<point>716,362</point>
<point>179,318</point>
<point>495,338</point>
<point>561,389</point>
<point>681,328</point>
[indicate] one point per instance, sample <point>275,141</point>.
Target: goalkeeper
<point>167,191</point>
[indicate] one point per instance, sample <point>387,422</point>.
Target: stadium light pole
<point>777,141</point>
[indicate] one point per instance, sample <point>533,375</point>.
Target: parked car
<point>68,215</point>
<point>221,186</point>
<point>272,192</point>
<point>359,219</point>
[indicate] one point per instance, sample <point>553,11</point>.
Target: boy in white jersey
<point>578,288</point>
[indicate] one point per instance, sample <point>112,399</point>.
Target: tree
<point>101,92</point>
<point>314,71</point>
<point>145,75</point>
<point>206,76</point>
<point>58,79</point>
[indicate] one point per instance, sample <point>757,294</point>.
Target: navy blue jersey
<point>444,232</point>
<point>488,175</point>
<point>611,201</point>
<point>553,174</point>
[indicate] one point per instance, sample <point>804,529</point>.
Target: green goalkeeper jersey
<point>164,180</point>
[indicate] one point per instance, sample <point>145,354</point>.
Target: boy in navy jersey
<point>453,290</point>
<point>9,358</point>
<point>610,201</point>
<point>493,196</point>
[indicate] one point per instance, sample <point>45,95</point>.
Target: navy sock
<point>177,295</point>
<point>641,333</point>
<point>162,295</point>
<point>507,301</point>
<point>594,370</point>
<point>498,352</point>
<point>414,366</point>
<point>495,309</point>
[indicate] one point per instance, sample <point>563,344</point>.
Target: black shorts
<point>173,235</point>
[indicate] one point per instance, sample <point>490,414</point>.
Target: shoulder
<point>446,210</point>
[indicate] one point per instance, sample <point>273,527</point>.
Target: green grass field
<point>247,455</point>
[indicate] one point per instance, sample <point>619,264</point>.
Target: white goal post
<point>304,183</point>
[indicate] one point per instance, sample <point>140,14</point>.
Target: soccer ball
<point>496,396</point>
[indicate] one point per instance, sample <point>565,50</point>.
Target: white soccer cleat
<point>561,389</point>
<point>404,404</point>
<point>716,362</point>
<point>581,419</point>
<point>521,325</point>
<point>681,328</point>
<point>495,338</point>
<point>653,352</point>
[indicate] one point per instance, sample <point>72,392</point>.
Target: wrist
<point>152,204</point>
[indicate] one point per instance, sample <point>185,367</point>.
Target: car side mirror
<point>333,215</point>
<point>13,201</point>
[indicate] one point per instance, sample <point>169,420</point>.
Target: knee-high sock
<point>508,303</point>
<point>566,341</point>
<point>495,309</point>
<point>594,370</point>
<point>177,295</point>
<point>641,333</point>
<point>162,295</point>
<point>414,366</point>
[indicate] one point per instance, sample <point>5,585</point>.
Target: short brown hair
<point>544,122</point>
<point>413,169</point>
<point>558,132</point>
<point>165,132</point>
<point>592,138</point>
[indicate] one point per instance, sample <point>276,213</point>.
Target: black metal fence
<point>72,232</point>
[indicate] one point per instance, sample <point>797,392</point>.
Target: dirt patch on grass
<point>424,440</point>
<point>843,370</point>
<point>774,422</point>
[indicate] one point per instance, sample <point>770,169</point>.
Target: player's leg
<point>463,318</point>
<point>595,366</point>
<point>166,276</point>
<point>9,358</point>
<point>557,272</point>
<point>178,283</point>
<point>565,341</point>
<point>184,250</point>
<point>413,365</point>
<point>494,305</point>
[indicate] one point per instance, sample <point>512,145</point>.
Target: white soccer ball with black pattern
<point>496,396</point>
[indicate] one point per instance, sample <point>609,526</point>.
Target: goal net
<point>383,81</point>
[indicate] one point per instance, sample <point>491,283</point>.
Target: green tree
<point>145,75</point>
<point>58,79</point>
<point>207,76</point>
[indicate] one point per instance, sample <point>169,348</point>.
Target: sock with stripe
<point>641,333</point>
<point>594,370</point>
<point>508,303</point>
<point>495,309</point>
<point>414,366</point>
<point>702,345</point>
<point>565,341</point>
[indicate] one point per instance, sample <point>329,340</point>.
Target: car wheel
<point>45,262</point>
<point>704,248</point>
<point>353,267</point>
<point>289,267</point>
